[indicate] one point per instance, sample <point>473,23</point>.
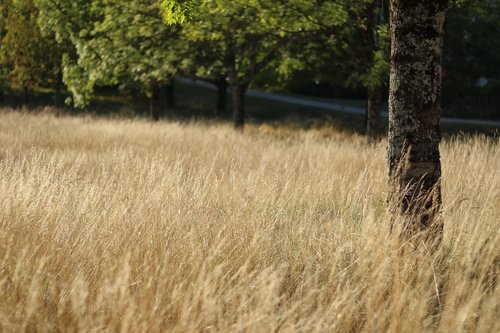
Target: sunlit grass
<point>133,226</point>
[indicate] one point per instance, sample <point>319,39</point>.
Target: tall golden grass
<point>125,225</point>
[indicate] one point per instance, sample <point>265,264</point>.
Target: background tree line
<point>325,48</point>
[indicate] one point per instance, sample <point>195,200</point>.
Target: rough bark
<point>170,93</point>
<point>414,114</point>
<point>26,96</point>
<point>154,101</point>
<point>221,96</point>
<point>373,115</point>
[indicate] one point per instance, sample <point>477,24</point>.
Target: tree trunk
<point>26,96</point>
<point>221,96</point>
<point>2,96</point>
<point>57,96</point>
<point>170,92</point>
<point>414,114</point>
<point>239,91</point>
<point>373,121</point>
<point>154,101</point>
<point>373,116</point>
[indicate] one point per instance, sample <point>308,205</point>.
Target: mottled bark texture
<point>154,101</point>
<point>373,115</point>
<point>414,114</point>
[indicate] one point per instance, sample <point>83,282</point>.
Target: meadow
<point>110,224</point>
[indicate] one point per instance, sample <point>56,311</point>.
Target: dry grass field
<point>121,225</point>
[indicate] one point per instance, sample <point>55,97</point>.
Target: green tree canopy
<point>131,45</point>
<point>28,58</point>
<point>122,43</point>
<point>247,37</point>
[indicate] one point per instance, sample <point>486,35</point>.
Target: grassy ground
<point>111,225</point>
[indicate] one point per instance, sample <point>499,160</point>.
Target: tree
<point>364,57</point>
<point>249,35</point>
<point>244,44</point>
<point>132,47</point>
<point>414,113</point>
<point>372,62</point>
<point>30,58</point>
<point>69,22</point>
<point>202,59</point>
<point>119,43</point>
<point>355,53</point>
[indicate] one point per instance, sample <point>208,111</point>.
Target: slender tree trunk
<point>26,96</point>
<point>414,114</point>
<point>221,96</point>
<point>154,101</point>
<point>373,121</point>
<point>57,95</point>
<point>373,116</point>
<point>170,92</point>
<point>239,91</point>
<point>2,96</point>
